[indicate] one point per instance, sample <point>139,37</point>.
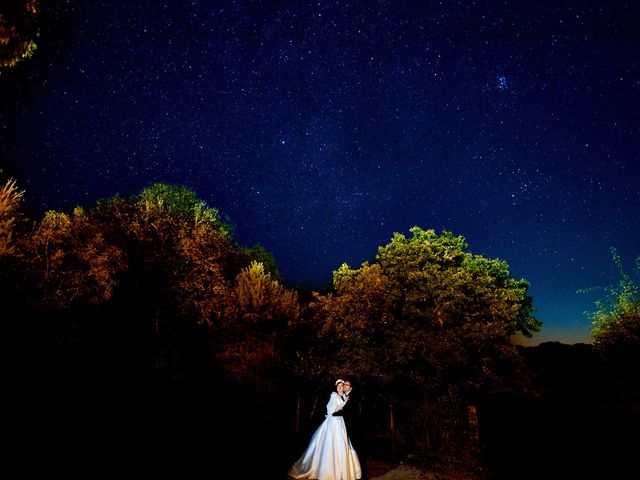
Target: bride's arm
<point>335,404</point>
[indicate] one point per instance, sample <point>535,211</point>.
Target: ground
<point>463,466</point>
<point>404,472</point>
<point>409,472</point>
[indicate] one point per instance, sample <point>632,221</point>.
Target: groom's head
<point>347,386</point>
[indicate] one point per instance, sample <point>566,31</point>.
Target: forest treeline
<point>152,294</point>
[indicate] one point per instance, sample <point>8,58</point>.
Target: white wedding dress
<point>330,455</point>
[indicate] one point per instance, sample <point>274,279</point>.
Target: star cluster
<point>320,128</point>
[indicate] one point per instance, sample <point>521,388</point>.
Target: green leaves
<point>616,319</point>
<point>428,307</point>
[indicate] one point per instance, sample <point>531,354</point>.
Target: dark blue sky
<point>320,128</point>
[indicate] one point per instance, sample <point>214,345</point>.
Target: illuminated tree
<point>263,301</point>
<point>154,270</point>
<point>67,261</point>
<point>181,259</point>
<point>258,311</point>
<point>616,320</point>
<point>427,320</point>
<point>18,31</point>
<point>615,332</point>
<point>259,254</point>
<point>426,306</point>
<point>10,198</point>
<point>180,251</point>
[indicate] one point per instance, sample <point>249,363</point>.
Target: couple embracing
<point>330,454</point>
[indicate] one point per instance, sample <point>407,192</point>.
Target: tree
<point>62,273</point>
<point>18,31</point>
<point>263,301</point>
<point>258,312</point>
<point>427,320</point>
<point>10,199</point>
<point>181,253</point>
<point>181,261</point>
<point>67,261</point>
<point>615,333</point>
<point>154,269</point>
<point>259,254</point>
<point>615,323</point>
<point>425,295</point>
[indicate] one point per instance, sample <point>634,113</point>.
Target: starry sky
<point>321,128</point>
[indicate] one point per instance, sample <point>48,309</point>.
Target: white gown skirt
<point>330,455</point>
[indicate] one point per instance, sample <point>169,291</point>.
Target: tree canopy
<point>150,268</point>
<point>615,332</point>
<point>616,319</point>
<point>426,312</point>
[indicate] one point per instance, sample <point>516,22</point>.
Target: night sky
<point>321,128</point>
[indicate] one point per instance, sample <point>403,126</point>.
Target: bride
<point>330,455</point>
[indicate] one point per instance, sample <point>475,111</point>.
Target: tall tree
<point>258,311</point>
<point>427,320</point>
<point>181,259</point>
<point>425,306</point>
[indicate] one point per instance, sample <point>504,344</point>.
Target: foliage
<point>10,199</point>
<point>615,332</point>
<point>426,313</point>
<point>259,309</point>
<point>615,318</point>
<point>426,324</point>
<point>262,301</point>
<point>18,31</point>
<point>259,254</point>
<point>67,261</point>
<point>158,265</point>
<point>180,251</point>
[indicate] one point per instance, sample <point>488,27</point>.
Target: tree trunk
<point>472,414</point>
<point>392,430</point>
<point>426,421</point>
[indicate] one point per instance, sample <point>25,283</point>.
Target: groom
<point>351,414</point>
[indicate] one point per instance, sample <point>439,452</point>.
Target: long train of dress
<point>329,455</point>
